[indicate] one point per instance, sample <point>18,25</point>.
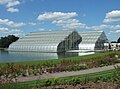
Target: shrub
<point>116,75</point>
<point>74,81</point>
<point>55,81</point>
<point>48,82</point>
<point>75,68</point>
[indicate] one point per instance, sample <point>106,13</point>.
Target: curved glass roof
<point>90,37</point>
<point>46,40</point>
<point>49,40</point>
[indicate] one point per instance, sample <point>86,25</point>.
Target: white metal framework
<point>59,41</point>
<point>92,40</point>
<point>50,41</point>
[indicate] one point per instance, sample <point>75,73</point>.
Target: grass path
<point>66,74</point>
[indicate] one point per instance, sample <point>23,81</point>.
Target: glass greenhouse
<point>59,41</point>
<point>49,41</point>
<point>92,40</point>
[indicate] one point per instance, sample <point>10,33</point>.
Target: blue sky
<point>20,17</point>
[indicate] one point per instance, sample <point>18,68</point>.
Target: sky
<point>19,17</point>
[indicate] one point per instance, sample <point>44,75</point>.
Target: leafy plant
<point>116,75</point>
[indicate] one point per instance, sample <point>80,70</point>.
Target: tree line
<point>118,41</point>
<point>7,40</point>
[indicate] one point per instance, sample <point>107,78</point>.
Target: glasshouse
<point>48,41</point>
<point>93,40</point>
<point>59,41</point>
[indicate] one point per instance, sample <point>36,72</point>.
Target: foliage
<point>116,75</point>
<point>6,41</point>
<point>15,86</point>
<point>74,81</point>
<point>90,85</point>
<point>104,76</point>
<point>75,68</point>
<point>81,79</point>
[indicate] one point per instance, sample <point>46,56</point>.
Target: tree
<point>113,42</point>
<point>118,40</point>
<point>6,41</point>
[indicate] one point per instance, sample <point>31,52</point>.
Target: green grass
<point>102,76</point>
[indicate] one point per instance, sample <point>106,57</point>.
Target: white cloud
<point>3,29</point>
<point>11,23</point>
<point>116,27</point>
<point>11,9</point>
<point>41,29</point>
<point>113,30</point>
<point>112,16</point>
<point>117,31</point>
<point>12,3</point>
<point>31,23</point>
<point>64,20</point>
<point>69,23</point>
<point>56,16</point>
<point>44,29</point>
<point>101,27</point>
<point>7,31</point>
<point>4,1</point>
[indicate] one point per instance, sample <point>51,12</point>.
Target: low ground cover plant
<point>101,80</point>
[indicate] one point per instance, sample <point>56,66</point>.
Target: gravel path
<point>65,74</point>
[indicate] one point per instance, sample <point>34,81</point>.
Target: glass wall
<point>50,41</point>
<point>71,42</point>
<point>93,40</point>
<point>58,41</point>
